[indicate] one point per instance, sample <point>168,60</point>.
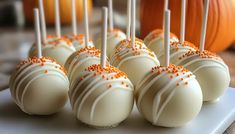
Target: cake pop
<point>210,70</point>
<point>32,83</point>
<point>133,57</point>
<point>114,35</point>
<point>78,40</point>
<point>102,96</point>
<point>168,95</point>
<point>58,48</point>
<point>82,59</point>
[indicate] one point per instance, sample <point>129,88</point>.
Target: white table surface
<point>214,118</point>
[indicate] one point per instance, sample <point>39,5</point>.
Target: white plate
<point>214,118</point>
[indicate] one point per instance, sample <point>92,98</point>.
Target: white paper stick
<point>128,27</point>
<point>43,23</point>
<point>182,22</point>
<point>167,37</point>
<point>85,21</point>
<point>73,16</point>
<point>110,4</point>
<point>133,22</point>
<point>204,25</point>
<point>166,6</point>
<point>104,36</point>
<point>57,18</point>
<point>37,32</point>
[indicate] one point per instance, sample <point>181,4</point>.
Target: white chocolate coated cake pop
<point>210,71</point>
<point>33,87</point>
<point>101,97</point>
<point>80,60</point>
<point>78,41</point>
<point>57,48</point>
<point>155,41</point>
<point>169,96</point>
<point>135,60</point>
<point>115,36</point>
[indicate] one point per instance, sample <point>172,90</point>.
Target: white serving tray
<point>214,118</point>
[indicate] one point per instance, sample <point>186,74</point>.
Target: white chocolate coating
<point>169,98</point>
<point>155,41</point>
<point>58,49</point>
<point>210,70</point>
<point>176,50</point>
<point>33,86</point>
<point>113,39</point>
<point>78,41</point>
<point>134,61</point>
<point>80,60</point>
<point>101,97</point>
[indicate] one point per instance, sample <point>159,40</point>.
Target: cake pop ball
<point>78,41</point>
<point>155,40</point>
<point>101,97</point>
<point>80,60</point>
<point>169,96</point>
<point>33,87</point>
<point>115,36</point>
<point>176,50</point>
<point>57,48</point>
<point>210,71</point>
<point>135,60</point>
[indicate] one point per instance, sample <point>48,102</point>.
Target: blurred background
<point>17,31</point>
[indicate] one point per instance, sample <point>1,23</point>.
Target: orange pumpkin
<point>65,10</point>
<point>221,21</point>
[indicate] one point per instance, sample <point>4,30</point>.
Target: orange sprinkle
<point>97,68</point>
<point>109,86</point>
<point>45,71</point>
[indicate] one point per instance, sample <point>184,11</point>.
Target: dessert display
<point>168,78</point>
<point>58,48</point>
<point>115,36</point>
<point>78,40</point>
<point>168,95</point>
<point>132,56</point>
<point>101,96</point>
<point>31,83</point>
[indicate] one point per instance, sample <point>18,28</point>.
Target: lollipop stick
<point>182,23</point>
<point>37,32</point>
<point>133,22</point>
<point>167,37</point>
<point>110,4</point>
<point>166,5</point>
<point>204,25</point>
<point>85,19</point>
<point>128,27</point>
<point>57,19</point>
<point>73,15</point>
<point>104,36</point>
<point>43,23</point>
